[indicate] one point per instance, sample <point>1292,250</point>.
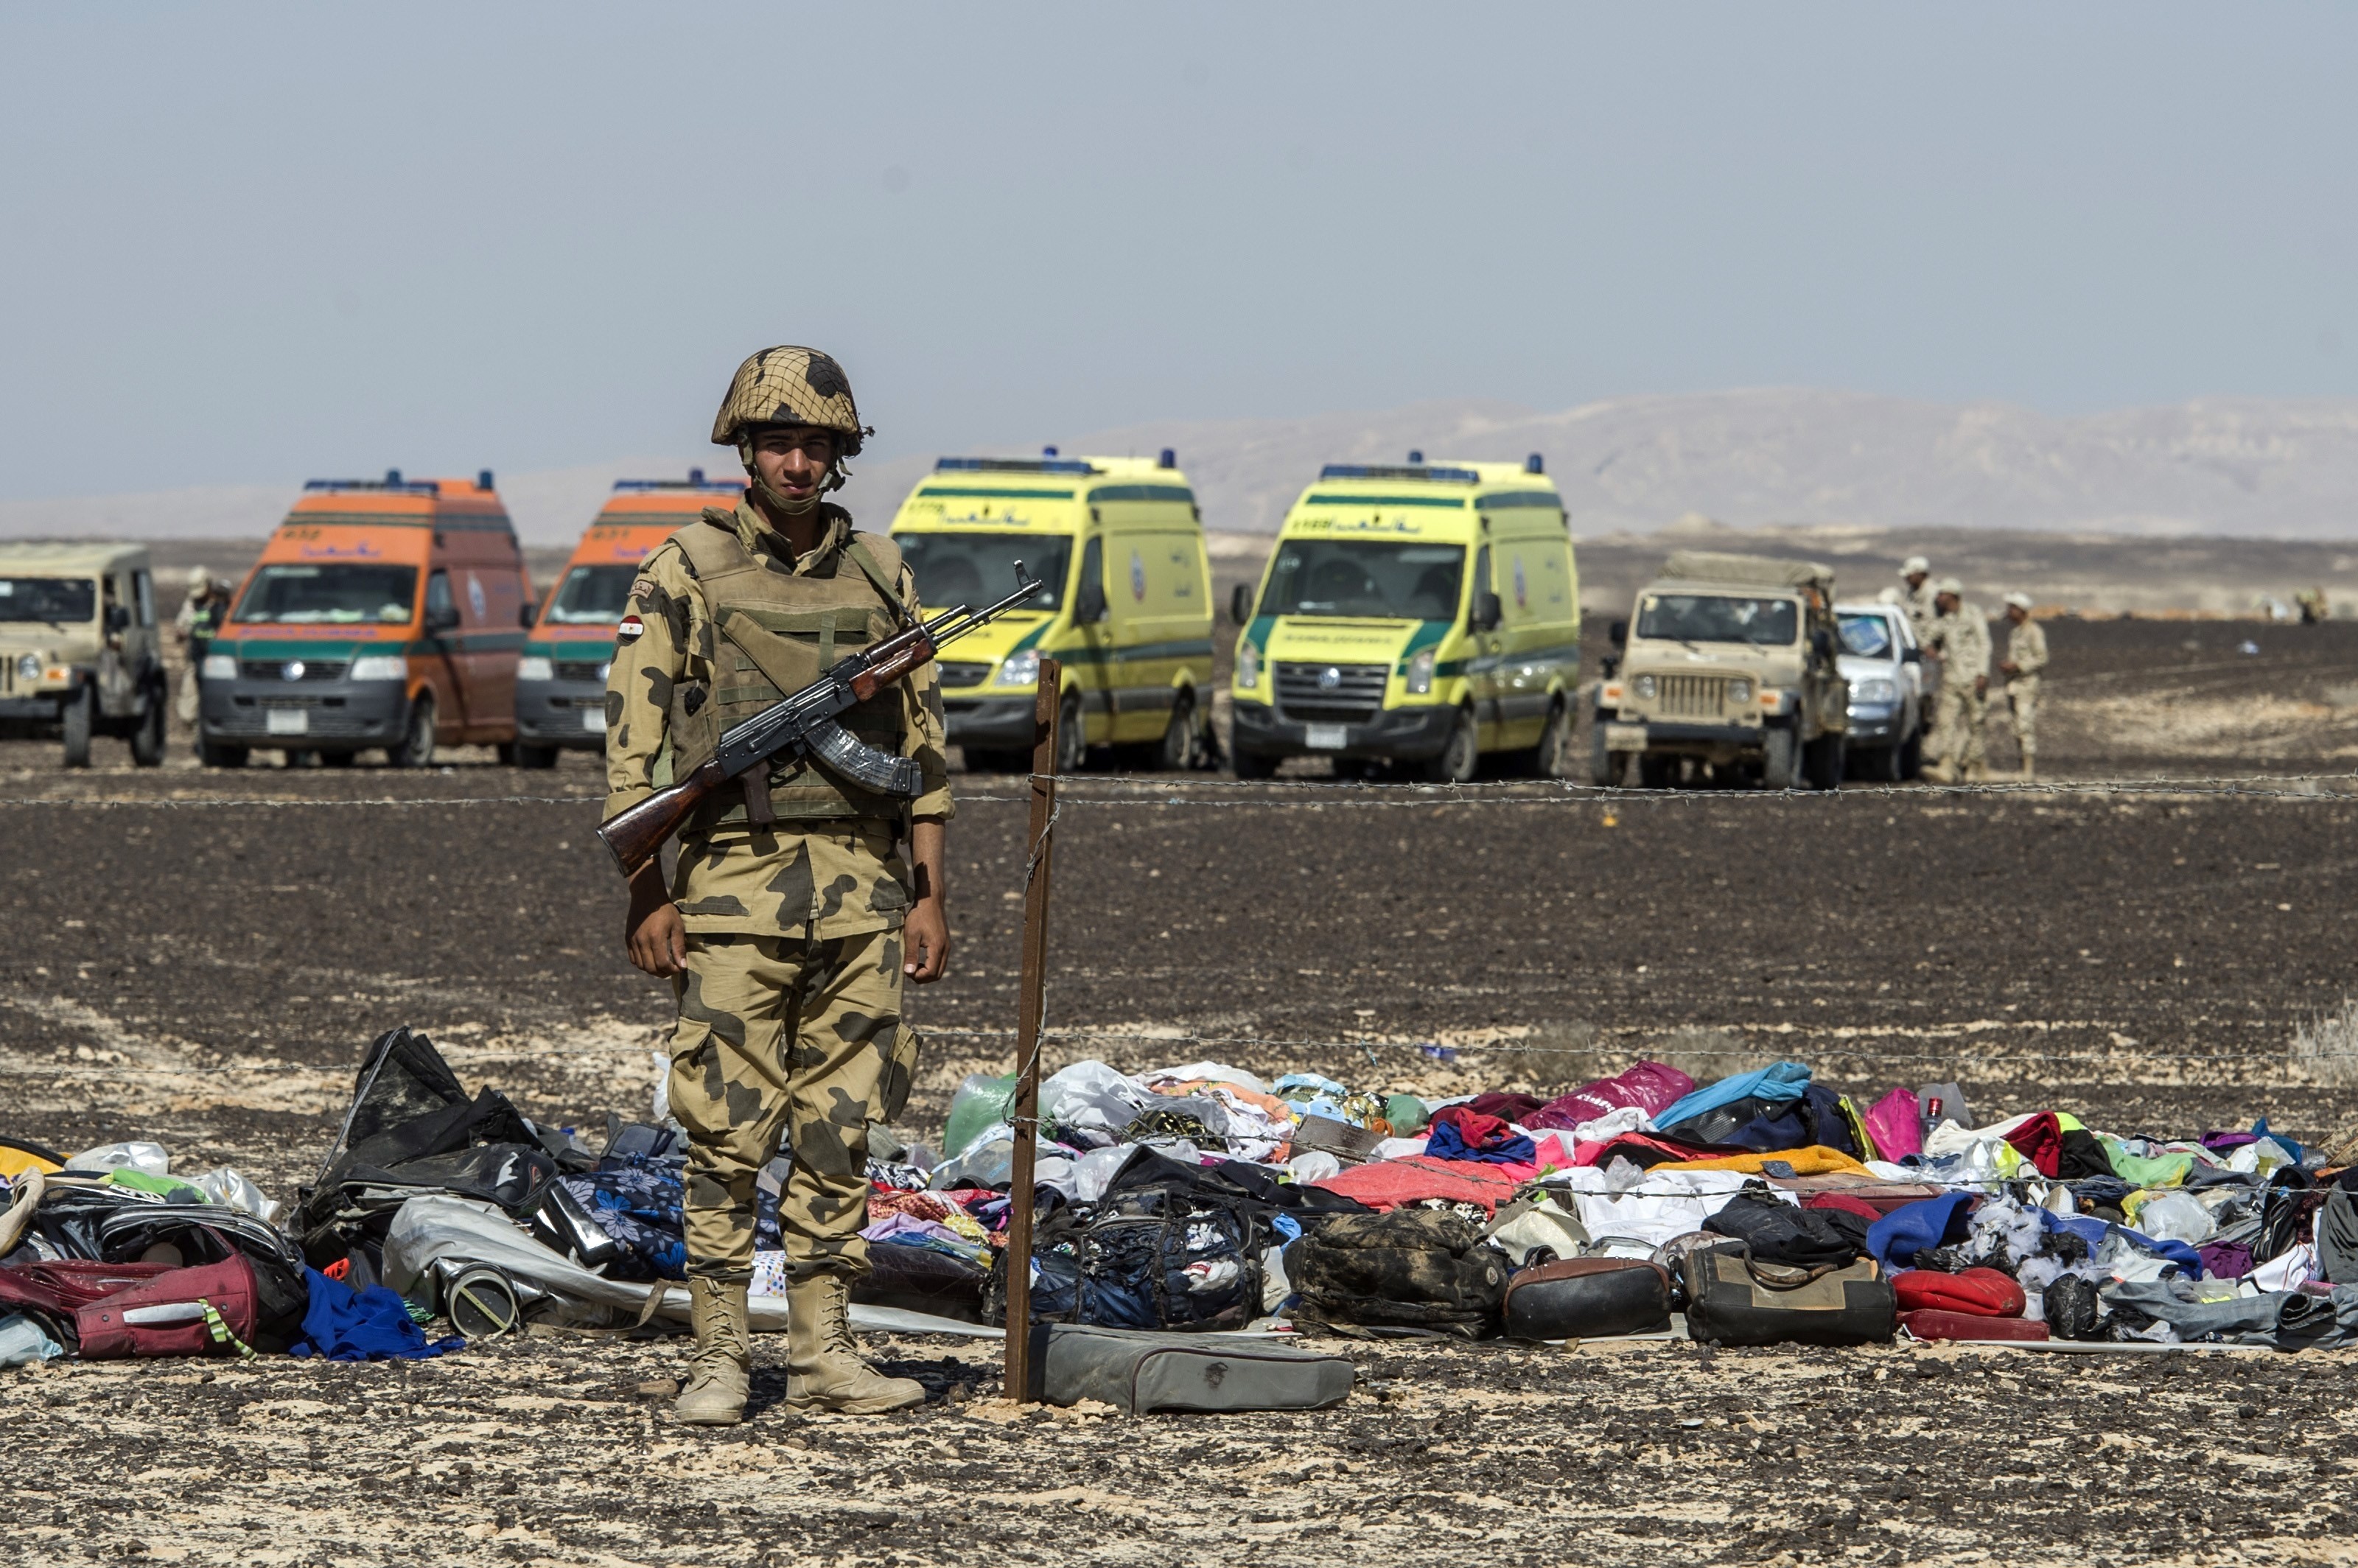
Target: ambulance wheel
<point>1176,753</point>
<point>1072,736</point>
<point>1460,757</point>
<point>219,755</point>
<point>534,758</point>
<point>80,712</point>
<point>1551,758</point>
<point>415,747</point>
<point>1253,765</point>
<point>148,737</point>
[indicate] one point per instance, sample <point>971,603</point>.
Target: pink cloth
<point>1650,1086</point>
<point>1389,1184</point>
<point>1896,1125</point>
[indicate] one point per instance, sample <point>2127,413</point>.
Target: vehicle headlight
<point>380,667</point>
<point>28,668</point>
<point>217,666</point>
<point>533,666</point>
<point>1021,669</point>
<point>1419,673</point>
<point>1248,665</point>
<point>1643,687</point>
<point>1739,691</point>
<point>1876,690</point>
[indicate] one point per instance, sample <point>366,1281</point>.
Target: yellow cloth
<point>1817,1160</point>
<point>15,1161</point>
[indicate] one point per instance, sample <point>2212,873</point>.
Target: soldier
<point>200,616</point>
<point>2026,657</point>
<point>794,915</point>
<point>1916,573</point>
<point>1960,635</point>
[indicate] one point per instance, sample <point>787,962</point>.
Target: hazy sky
<point>252,243</point>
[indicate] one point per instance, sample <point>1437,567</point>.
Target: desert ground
<point>198,958</point>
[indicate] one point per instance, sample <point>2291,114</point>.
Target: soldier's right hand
<point>655,935</point>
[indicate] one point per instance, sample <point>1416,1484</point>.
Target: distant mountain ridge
<point>2247,466</point>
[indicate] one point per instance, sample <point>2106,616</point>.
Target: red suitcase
<point>1929,1323</point>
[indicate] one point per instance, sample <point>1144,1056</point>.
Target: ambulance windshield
<point>592,596</point>
<point>1364,577</point>
<point>297,595</point>
<point>974,569</point>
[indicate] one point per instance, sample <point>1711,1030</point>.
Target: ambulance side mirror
<point>1240,603</point>
<point>1486,612</point>
<point>1618,634</point>
<point>1091,607</point>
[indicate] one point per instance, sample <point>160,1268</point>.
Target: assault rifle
<point>803,725</point>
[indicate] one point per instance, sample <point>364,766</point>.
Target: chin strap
<point>835,478</point>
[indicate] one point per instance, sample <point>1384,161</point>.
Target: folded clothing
<point>1779,1232</point>
<point>1458,1133</point>
<point>1898,1236</point>
<point>1982,1292</point>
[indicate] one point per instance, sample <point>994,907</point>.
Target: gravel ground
<point>206,975</point>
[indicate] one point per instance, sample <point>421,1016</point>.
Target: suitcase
<point>1930,1323</point>
<point>1137,1373</point>
<point>1978,1292</point>
<point>1731,1300</point>
<point>1589,1298</point>
<point>165,1316</point>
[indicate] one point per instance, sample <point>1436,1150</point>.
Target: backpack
<point>1405,1273</point>
<point>1156,1256</point>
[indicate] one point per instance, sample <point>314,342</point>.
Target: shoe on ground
<point>824,1370</point>
<point>720,1372</point>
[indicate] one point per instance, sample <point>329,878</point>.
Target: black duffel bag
<point>1732,1300</point>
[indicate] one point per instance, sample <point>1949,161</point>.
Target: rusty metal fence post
<point>1023,1116</point>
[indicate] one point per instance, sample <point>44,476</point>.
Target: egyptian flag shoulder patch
<point>630,629</point>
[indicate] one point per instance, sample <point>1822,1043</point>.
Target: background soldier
<point>2026,657</point>
<point>793,916</point>
<point>200,616</point>
<point>1960,635</point>
<point>1916,573</point>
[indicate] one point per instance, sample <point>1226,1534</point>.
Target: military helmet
<point>790,385</point>
<point>2019,600</point>
<point>1949,585</point>
<point>200,580</point>
<point>1915,564</point>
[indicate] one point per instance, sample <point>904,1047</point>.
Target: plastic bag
<point>21,1340</point>
<point>224,1185</point>
<point>982,1103</point>
<point>2072,1307</point>
<point>147,1158</point>
<point>2174,1216</point>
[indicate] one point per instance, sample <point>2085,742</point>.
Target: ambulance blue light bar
<point>1378,471</point>
<point>1010,465</point>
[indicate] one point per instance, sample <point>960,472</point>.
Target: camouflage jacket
<point>1962,642</point>
<point>829,878</point>
<point>1918,604</point>
<point>2026,649</point>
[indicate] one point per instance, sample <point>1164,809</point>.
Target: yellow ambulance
<point>1416,617</point>
<point>1125,604</point>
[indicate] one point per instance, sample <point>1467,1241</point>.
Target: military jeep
<point>1725,672</point>
<point>80,649</point>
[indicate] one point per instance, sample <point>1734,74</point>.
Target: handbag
<point>1589,1298</point>
<point>1732,1300</point>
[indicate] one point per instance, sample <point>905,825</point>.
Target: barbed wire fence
<point>1092,792</point>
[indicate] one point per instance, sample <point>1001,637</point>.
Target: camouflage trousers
<point>2022,695</point>
<point>1960,714</point>
<point>781,1035</point>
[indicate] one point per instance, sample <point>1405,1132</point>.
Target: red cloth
<point>1641,1149</point>
<point>1479,1130</point>
<point>2041,1141</point>
<point>1847,1205</point>
<point>1388,1184</point>
<point>1978,1292</point>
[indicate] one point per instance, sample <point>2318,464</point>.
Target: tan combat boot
<point>824,1370</point>
<point>2030,764</point>
<point>721,1373</point>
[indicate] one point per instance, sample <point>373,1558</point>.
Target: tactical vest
<point>773,633</point>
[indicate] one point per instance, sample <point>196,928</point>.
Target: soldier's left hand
<point>1980,685</point>
<point>926,939</point>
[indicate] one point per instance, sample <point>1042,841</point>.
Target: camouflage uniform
<point>791,1004</point>
<point>1922,613</point>
<point>2026,649</point>
<point>1962,641</point>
